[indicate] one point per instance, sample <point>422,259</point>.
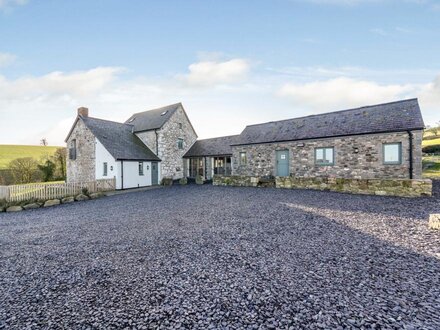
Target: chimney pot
<point>84,112</point>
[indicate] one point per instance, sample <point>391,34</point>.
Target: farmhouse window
<point>72,150</point>
<point>243,158</point>
<point>324,156</point>
<point>104,172</point>
<point>392,153</point>
<point>180,143</point>
<point>141,168</point>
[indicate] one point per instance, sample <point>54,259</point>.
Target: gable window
<point>141,168</point>
<point>180,125</point>
<point>392,153</point>
<point>72,150</point>
<point>324,156</point>
<point>243,158</point>
<point>180,143</point>
<point>104,170</point>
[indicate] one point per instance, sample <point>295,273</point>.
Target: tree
<point>48,170</point>
<point>24,170</point>
<point>44,142</point>
<point>59,158</point>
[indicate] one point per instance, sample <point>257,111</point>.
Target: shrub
<point>431,149</point>
<point>85,191</point>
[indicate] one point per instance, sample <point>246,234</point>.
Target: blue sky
<point>230,63</point>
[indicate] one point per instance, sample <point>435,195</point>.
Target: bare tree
<point>24,170</point>
<point>44,142</point>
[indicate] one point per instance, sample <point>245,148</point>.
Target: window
<point>141,168</point>
<point>243,158</point>
<point>180,125</point>
<point>72,150</point>
<point>324,156</point>
<point>180,143</point>
<point>104,170</point>
<point>392,153</point>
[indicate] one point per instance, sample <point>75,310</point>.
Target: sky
<point>231,63</point>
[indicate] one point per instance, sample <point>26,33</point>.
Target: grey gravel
<point>204,257</point>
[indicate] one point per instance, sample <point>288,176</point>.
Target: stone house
<point>149,146</point>
<point>371,142</point>
<point>381,141</point>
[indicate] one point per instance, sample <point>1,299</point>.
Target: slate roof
<point>220,146</point>
<point>152,119</point>
<point>388,117</point>
<point>119,140</point>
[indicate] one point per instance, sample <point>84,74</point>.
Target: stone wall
<point>82,169</point>
<point>149,138</point>
<point>171,156</point>
<point>235,180</point>
<point>366,163</point>
<point>382,187</point>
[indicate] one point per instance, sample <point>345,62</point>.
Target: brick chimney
<point>83,112</point>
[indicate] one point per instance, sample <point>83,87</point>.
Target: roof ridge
<point>332,112</point>
<point>218,137</point>
<point>109,121</point>
<point>165,106</point>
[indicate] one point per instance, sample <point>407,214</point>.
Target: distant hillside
<point>11,152</point>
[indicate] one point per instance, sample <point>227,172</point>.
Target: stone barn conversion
<point>381,141</point>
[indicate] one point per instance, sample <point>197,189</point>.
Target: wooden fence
<point>46,191</point>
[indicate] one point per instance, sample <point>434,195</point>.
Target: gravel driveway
<point>221,257</point>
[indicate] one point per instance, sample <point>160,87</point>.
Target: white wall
<point>132,179</point>
<point>103,156</point>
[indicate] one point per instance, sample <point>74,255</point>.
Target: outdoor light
<point>356,150</point>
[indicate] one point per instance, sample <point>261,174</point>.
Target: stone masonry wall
<point>390,187</point>
<point>367,163</point>
<point>169,153</point>
<point>381,187</point>
<point>82,169</point>
<point>149,138</point>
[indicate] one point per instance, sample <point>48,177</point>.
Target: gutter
<point>157,143</point>
<point>122,175</point>
<point>410,138</point>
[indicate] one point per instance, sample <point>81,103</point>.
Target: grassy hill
<point>431,142</point>
<point>11,152</point>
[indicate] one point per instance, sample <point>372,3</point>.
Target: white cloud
<point>6,59</point>
<point>342,92</point>
<point>209,73</point>
<point>78,83</point>
<point>44,106</point>
<point>7,4</point>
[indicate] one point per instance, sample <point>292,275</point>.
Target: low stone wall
<point>386,187</point>
<point>235,180</point>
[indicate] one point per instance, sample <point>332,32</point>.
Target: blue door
<point>283,163</point>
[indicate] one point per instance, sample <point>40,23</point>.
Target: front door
<point>154,173</point>
<point>282,162</point>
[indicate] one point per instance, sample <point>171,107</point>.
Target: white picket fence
<point>46,191</point>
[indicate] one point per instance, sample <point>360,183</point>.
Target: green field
<point>431,142</point>
<point>11,152</point>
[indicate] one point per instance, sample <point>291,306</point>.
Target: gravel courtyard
<point>220,257</point>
